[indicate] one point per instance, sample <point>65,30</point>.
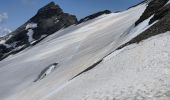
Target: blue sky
<point>19,11</point>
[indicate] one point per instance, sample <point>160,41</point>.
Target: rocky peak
<point>50,6</point>
<point>48,20</point>
<point>50,9</point>
<point>94,16</point>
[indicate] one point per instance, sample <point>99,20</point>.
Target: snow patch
<point>31,26</point>
<point>141,27</point>
<point>139,73</point>
<point>47,71</point>
<point>56,20</point>
<point>2,41</point>
<point>30,35</point>
<point>74,48</point>
<point>135,31</point>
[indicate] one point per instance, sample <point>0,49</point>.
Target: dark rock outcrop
<point>161,13</point>
<point>48,20</point>
<point>162,26</point>
<point>51,19</point>
<point>152,8</point>
<point>94,16</point>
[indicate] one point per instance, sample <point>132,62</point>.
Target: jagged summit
<point>51,6</point>
<point>48,20</point>
<point>50,9</point>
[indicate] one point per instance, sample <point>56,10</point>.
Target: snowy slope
<point>136,72</point>
<point>52,69</point>
<point>74,49</point>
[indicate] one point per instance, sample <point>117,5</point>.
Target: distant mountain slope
<point>48,20</point>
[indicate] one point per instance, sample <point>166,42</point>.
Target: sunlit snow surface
<point>76,48</point>
<point>137,72</point>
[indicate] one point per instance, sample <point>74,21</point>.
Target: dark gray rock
<point>90,17</point>
<point>152,8</point>
<point>161,13</point>
<point>162,26</point>
<point>50,19</point>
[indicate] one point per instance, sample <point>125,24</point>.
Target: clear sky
<point>16,12</point>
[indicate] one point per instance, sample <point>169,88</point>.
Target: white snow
<point>139,72</point>
<point>132,73</point>
<point>75,49</point>
<point>31,26</point>
<point>141,27</point>
<point>30,35</point>
<point>135,31</point>
<point>2,41</point>
<point>114,54</point>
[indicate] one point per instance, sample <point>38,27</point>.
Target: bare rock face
<point>94,16</point>
<point>153,7</point>
<point>162,26</point>
<point>48,20</point>
<point>161,17</point>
